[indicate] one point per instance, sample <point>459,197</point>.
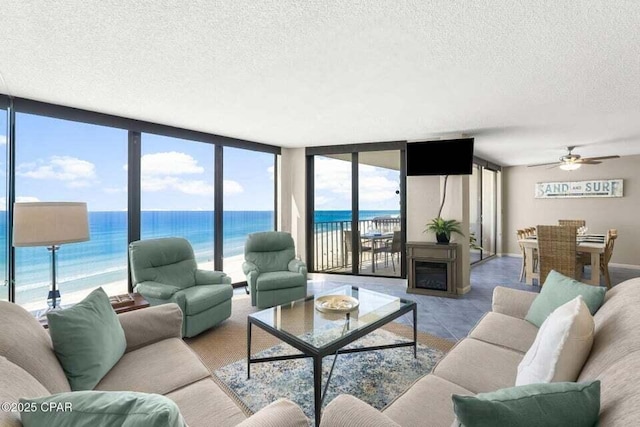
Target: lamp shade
<point>49,223</point>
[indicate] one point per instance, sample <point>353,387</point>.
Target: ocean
<point>103,259</point>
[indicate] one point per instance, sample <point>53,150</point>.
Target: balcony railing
<point>330,248</point>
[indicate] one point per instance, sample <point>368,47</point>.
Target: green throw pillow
<point>101,408</point>
<point>559,290</point>
<point>546,405</point>
<point>87,339</point>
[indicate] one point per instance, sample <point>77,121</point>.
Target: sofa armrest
<point>208,277</point>
<point>248,267</point>
<point>297,266</point>
<point>281,413</point>
<point>348,411</point>
<point>152,324</point>
<point>512,302</point>
<point>156,290</point>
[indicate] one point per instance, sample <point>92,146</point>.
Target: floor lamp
<point>50,224</point>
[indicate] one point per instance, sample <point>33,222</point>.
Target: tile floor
<point>447,317</point>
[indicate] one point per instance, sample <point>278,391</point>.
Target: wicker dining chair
<point>573,222</point>
<point>521,234</point>
<point>557,251</point>
<point>605,257</point>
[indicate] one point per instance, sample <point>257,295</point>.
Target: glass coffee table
<point>316,334</point>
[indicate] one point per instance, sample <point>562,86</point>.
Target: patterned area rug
<point>376,377</point>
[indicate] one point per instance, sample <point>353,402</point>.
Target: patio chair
<point>557,251</point>
<point>395,247</point>
<point>348,247</point>
<point>165,270</point>
<point>274,275</point>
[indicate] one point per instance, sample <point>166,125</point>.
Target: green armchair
<point>274,275</point>
<point>165,270</point>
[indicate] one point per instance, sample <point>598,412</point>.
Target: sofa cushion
<point>102,408</point>
<point>505,331</point>
<point>616,329</point>
<point>562,345</point>
<point>204,404</point>
<point>16,383</point>
<point>479,366</point>
<point>278,413</point>
<point>429,398</point>
<point>279,280</point>
<point>203,297</point>
<point>157,368</point>
<point>26,343</point>
<point>558,290</point>
<point>551,405</point>
<point>88,339</point>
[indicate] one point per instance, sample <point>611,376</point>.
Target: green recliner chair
<point>274,275</point>
<point>165,270</point>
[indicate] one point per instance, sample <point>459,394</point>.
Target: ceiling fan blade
<point>544,164</point>
<point>588,162</point>
<point>601,158</point>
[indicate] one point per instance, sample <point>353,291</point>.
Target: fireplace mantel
<point>433,268</point>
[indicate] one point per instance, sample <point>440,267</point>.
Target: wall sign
<point>574,189</point>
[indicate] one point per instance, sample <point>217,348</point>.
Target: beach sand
<point>232,266</point>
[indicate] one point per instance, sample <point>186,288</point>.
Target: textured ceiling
<point>527,78</point>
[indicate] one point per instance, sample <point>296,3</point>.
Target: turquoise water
<point>103,259</point>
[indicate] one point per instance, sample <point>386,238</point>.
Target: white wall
<point>292,198</point>
<point>521,209</point>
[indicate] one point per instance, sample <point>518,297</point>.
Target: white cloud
<point>231,187</point>
<point>194,187</point>
<point>377,186</point>
<point>3,140</point>
<point>169,163</point>
<point>75,172</point>
<point>19,199</point>
<point>270,171</point>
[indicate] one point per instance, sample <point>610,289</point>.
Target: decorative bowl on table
<point>336,304</point>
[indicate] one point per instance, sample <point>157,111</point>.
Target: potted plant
<point>444,227</point>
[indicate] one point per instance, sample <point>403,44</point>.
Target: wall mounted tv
<point>442,157</point>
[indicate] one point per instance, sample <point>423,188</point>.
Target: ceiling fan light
<point>570,166</point>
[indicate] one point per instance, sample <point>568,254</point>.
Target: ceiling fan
<point>570,161</point>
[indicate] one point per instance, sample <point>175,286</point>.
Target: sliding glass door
<point>356,225</point>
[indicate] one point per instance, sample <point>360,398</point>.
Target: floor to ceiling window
<point>249,203</point>
<point>177,193</point>
<point>4,289</point>
<point>379,212</point>
<point>61,160</point>
<point>332,242</point>
<point>483,186</point>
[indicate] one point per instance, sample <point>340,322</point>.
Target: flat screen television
<point>443,157</point>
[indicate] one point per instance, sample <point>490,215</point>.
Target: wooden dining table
<point>592,244</point>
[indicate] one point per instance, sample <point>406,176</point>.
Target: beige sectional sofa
<point>488,358</point>
<point>156,361</point>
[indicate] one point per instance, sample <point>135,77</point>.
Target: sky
<point>69,161</point>
<point>60,160</point>
<point>377,186</point>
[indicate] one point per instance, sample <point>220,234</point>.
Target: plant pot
<point>442,238</point>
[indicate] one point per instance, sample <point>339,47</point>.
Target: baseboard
<point>629,266</point>
<point>511,255</point>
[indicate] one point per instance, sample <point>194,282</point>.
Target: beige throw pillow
<point>561,347</point>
